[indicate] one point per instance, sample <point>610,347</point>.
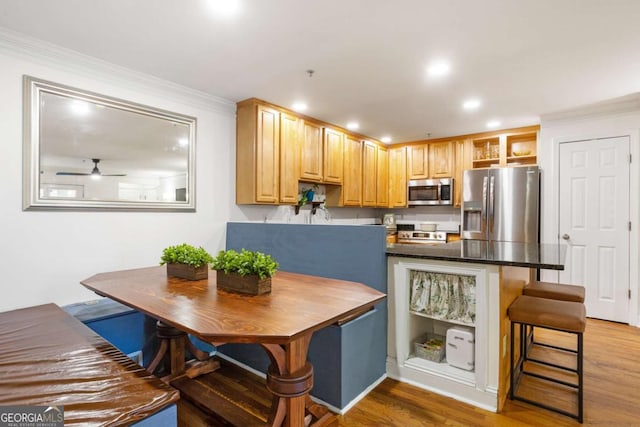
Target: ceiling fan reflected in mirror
<point>95,172</point>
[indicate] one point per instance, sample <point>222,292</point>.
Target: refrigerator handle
<point>484,204</point>
<point>492,200</point>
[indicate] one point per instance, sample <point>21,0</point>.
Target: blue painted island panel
<point>130,331</point>
<point>348,358</point>
<point>168,417</point>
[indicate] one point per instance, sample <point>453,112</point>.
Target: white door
<point>594,223</point>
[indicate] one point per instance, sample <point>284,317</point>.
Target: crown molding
<point>616,106</point>
<point>32,49</point>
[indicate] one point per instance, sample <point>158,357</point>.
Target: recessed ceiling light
<point>439,68</point>
<point>386,139</point>
<point>299,106</point>
<point>225,8</point>
<point>471,104</point>
<point>493,124</point>
<point>353,126</point>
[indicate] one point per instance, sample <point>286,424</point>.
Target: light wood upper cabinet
<point>521,148</point>
<point>441,159</point>
<point>398,177</point>
<point>290,139</point>
<point>369,174</point>
<point>257,155</point>
<point>515,147</point>
<point>382,178</point>
<point>431,160</point>
<point>333,156</point>
<point>277,147</point>
<point>352,180</point>
<point>311,152</point>
<point>418,161</point>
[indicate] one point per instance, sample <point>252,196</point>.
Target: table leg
<point>289,379</point>
<point>174,342</point>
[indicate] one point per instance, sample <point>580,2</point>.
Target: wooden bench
<point>49,358</point>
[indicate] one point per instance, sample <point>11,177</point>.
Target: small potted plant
<point>247,272</point>
<point>307,195</point>
<point>186,261</point>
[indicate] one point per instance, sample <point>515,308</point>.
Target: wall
<point>286,215</point>
<point>448,217</point>
<point>611,118</point>
<point>44,254</point>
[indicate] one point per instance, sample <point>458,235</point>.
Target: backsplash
<point>286,215</point>
<point>448,218</point>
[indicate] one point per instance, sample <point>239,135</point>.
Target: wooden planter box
<point>252,285</point>
<point>189,272</point>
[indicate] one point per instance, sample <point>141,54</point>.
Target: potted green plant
<point>186,261</point>
<point>307,195</point>
<point>246,271</point>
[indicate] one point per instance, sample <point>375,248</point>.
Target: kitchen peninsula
<point>465,286</point>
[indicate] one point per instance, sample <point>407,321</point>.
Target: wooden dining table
<point>281,322</point>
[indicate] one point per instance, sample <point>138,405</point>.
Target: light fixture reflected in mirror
<point>79,107</point>
<point>113,154</point>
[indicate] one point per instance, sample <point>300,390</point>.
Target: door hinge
<point>629,293</point>
<point>629,225</point>
<point>629,158</point>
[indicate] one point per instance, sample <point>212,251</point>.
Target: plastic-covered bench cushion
<point>49,358</point>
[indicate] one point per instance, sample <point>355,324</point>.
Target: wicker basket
<point>430,347</point>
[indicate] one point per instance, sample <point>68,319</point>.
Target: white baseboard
<point>242,365</point>
<point>357,399</point>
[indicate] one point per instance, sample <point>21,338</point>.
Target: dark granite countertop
<point>529,255</point>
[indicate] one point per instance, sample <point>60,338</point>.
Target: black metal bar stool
<point>565,316</point>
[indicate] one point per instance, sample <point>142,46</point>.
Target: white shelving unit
<point>442,368</point>
<point>439,319</point>
<point>425,323</point>
<point>477,387</point>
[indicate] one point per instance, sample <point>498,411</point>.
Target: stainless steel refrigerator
<point>501,204</point>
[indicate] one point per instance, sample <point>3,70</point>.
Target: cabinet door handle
<point>565,236</point>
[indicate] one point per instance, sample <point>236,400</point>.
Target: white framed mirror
<point>88,151</point>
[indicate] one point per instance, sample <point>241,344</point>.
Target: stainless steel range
<point>422,237</point>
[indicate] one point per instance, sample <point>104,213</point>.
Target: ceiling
<point>521,58</point>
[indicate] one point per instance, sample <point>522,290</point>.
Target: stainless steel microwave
<point>429,192</point>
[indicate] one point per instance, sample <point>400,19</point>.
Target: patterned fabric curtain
<point>443,296</point>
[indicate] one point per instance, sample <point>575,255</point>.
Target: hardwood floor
<point>611,396</point>
<point>611,392</point>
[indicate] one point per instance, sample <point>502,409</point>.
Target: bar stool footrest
<point>549,408</point>
<point>553,365</point>
<point>555,380</point>
<point>555,347</point>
